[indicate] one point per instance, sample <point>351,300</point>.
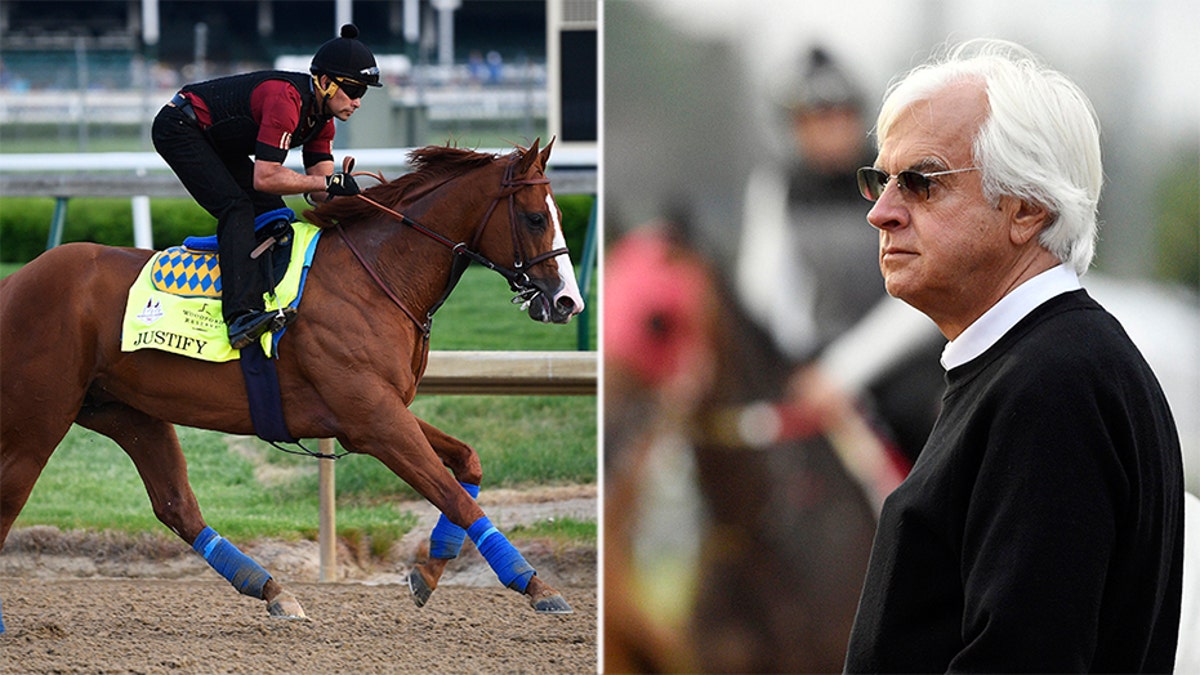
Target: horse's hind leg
<point>23,455</point>
<point>446,540</point>
<point>154,448</point>
<point>36,412</point>
<point>24,450</point>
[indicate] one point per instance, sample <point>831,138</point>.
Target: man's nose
<point>889,210</point>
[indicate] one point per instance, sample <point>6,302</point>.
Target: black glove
<point>341,185</point>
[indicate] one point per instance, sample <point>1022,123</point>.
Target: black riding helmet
<point>345,57</point>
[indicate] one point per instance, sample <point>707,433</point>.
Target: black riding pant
<point>224,185</point>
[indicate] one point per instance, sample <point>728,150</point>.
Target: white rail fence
<point>142,175</point>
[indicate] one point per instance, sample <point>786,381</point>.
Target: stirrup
<point>244,330</point>
<point>283,318</point>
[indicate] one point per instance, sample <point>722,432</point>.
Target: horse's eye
<point>537,221</point>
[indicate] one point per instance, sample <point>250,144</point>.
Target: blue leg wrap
<point>508,564</point>
<point>1,619</point>
<point>447,538</point>
<point>247,576</point>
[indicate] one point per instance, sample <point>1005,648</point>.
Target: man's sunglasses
<point>354,90</point>
<point>872,181</point>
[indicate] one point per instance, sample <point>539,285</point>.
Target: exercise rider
<point>208,132</point>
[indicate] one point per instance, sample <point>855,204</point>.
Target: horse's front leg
<point>408,452</point>
<point>446,540</point>
<point>154,448</point>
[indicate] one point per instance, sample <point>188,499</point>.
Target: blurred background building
<point>90,75</point>
<point>1135,59</point>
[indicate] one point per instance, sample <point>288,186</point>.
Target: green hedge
<point>25,222</point>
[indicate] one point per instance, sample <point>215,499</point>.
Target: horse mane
<point>430,164</point>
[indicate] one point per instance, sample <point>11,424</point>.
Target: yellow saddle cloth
<point>174,304</point>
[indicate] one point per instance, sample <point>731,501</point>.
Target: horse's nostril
<point>565,304</point>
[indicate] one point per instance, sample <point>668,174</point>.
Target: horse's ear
<point>545,155</point>
<point>527,158</point>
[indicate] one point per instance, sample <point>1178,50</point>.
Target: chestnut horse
<point>784,528</point>
<point>348,367</point>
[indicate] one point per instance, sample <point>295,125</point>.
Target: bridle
<point>517,277</point>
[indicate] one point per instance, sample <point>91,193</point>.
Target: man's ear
<point>323,83</point>
<point>1026,220</point>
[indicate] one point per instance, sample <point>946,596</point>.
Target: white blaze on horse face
<point>566,271</point>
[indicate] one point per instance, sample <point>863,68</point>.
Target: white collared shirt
<point>1005,314</point>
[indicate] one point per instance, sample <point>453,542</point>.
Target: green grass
<point>480,315</point>
<point>559,529</point>
<point>248,489</point>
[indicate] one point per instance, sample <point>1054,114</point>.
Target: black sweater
<point>1041,528</point>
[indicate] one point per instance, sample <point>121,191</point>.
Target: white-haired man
<point>1041,527</point>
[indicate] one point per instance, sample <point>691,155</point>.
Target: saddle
<point>191,270</point>
<point>175,303</point>
<point>175,306</point>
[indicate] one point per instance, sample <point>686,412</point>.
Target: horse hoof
<point>285,606</point>
<point>419,588</point>
<point>551,604</point>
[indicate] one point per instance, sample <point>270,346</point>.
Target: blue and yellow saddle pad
<point>182,271</point>
<point>175,303</point>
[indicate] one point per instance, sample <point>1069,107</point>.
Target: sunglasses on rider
<point>872,181</point>
<point>354,90</point>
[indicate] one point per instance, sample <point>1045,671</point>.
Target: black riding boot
<point>247,328</point>
<point>241,279</point>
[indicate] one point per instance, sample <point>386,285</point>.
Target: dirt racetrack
<point>77,603</point>
<point>173,626</point>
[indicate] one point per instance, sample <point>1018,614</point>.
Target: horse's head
<point>676,341</point>
<point>498,211</point>
<point>661,316</point>
<point>533,240</point>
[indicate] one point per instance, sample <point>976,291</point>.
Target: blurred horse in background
<point>787,502</point>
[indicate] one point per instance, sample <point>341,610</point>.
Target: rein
<point>760,425</point>
<point>425,326</point>
<point>518,280</point>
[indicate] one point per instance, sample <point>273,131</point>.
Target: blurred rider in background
<point>802,265</point>
<point>807,268</point>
